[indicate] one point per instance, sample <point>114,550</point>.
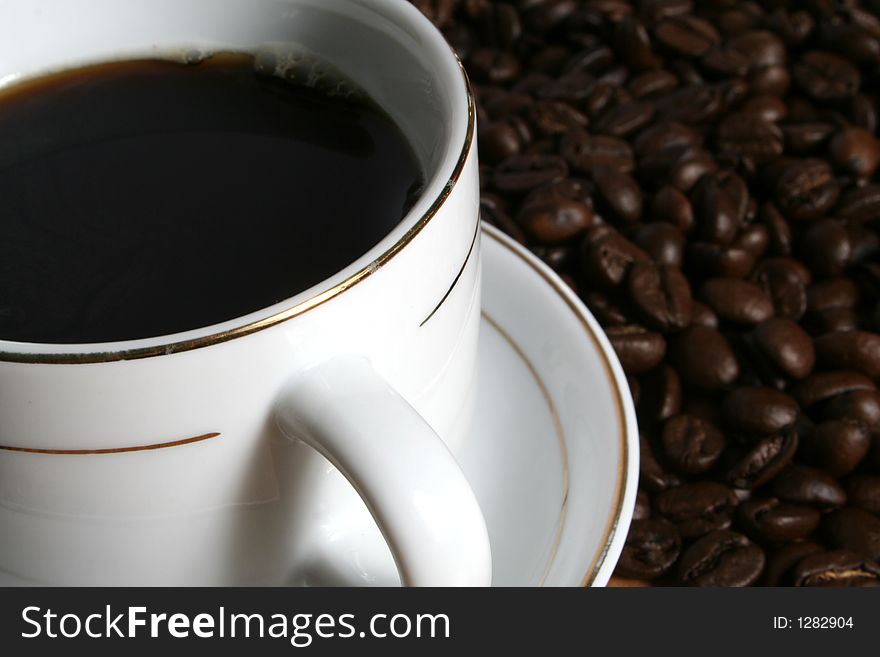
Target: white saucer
<point>554,459</point>
<point>552,450</point>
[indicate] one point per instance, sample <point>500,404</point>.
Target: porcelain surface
<point>552,450</point>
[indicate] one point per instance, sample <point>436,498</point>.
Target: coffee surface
<point>144,198</point>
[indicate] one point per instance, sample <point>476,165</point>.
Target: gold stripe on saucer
<point>318,299</point>
<point>113,450</point>
<point>560,437</point>
<point>620,486</point>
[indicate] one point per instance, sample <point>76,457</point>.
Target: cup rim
<point>378,256</point>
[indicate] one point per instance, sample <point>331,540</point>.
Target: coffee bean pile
<point>703,175</point>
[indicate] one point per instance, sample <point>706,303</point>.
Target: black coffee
<point>144,198</point>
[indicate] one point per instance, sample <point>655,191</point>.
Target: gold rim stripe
<point>457,276</point>
<point>284,315</point>
<point>113,450</point>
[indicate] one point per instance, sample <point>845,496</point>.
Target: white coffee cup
<point>169,460</point>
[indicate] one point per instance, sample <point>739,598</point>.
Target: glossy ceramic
<point>551,452</point>
<point>169,460</point>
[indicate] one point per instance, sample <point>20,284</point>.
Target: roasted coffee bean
<point>656,10</point>
<point>662,241</point>
<point>825,385</point>
<point>763,461</point>
<point>737,301</point>
<point>786,346</point>
<point>832,319</point>
<point>634,45</point>
<point>806,189</point>
<point>522,173</point>
<point>725,62</point>
<point>687,171</point>
<point>753,239</point>
<point>863,113</point>
<point>607,256</point>
<point>557,257</point>
<point>493,66</point>
<point>858,405</point>
<point>661,295</point>
<point>661,395</point>
<point>836,446</point>
<point>690,444</point>
<point>802,484</point>
<point>785,283</point>
<point>502,24</point>
<point>865,242</point>
<point>853,529</point>
<point>767,108</point>
<point>624,118</point>
<point>855,350</point>
<point>793,26</point>
<point>770,520</point>
<point>693,104</point>
<point>856,150</point>
<point>652,547</point>
<point>652,83</point>
<point>758,410</point>
<point>826,76</point>
<point>601,95</point>
<point>826,247</point>
<point>832,293</point>
<point>502,105</point>
<point>555,222</point>
<point>805,138</point>
<point>551,118</point>
<point>606,309</point>
<point>586,152</point>
<point>702,315</point>
<point>651,474</point>
<point>855,40</point>
<point>750,136</point>
<point>717,211</point>
<point>672,206</point>
<point>687,35</point>
<point>570,189</point>
<point>542,17</point>
<point>704,359</point>
<point>859,204</point>
<point>638,349</point>
<point>778,230</point>
<point>782,561</point>
<point>836,568</point>
<point>620,193</point>
<point>697,508</point>
<point>499,141</point>
<point>722,558</point>
<point>863,491</point>
<point>762,48</point>
<point>664,135</point>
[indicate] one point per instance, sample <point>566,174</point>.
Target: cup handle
<point>408,478</point>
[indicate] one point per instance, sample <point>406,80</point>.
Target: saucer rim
<point>627,469</point>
